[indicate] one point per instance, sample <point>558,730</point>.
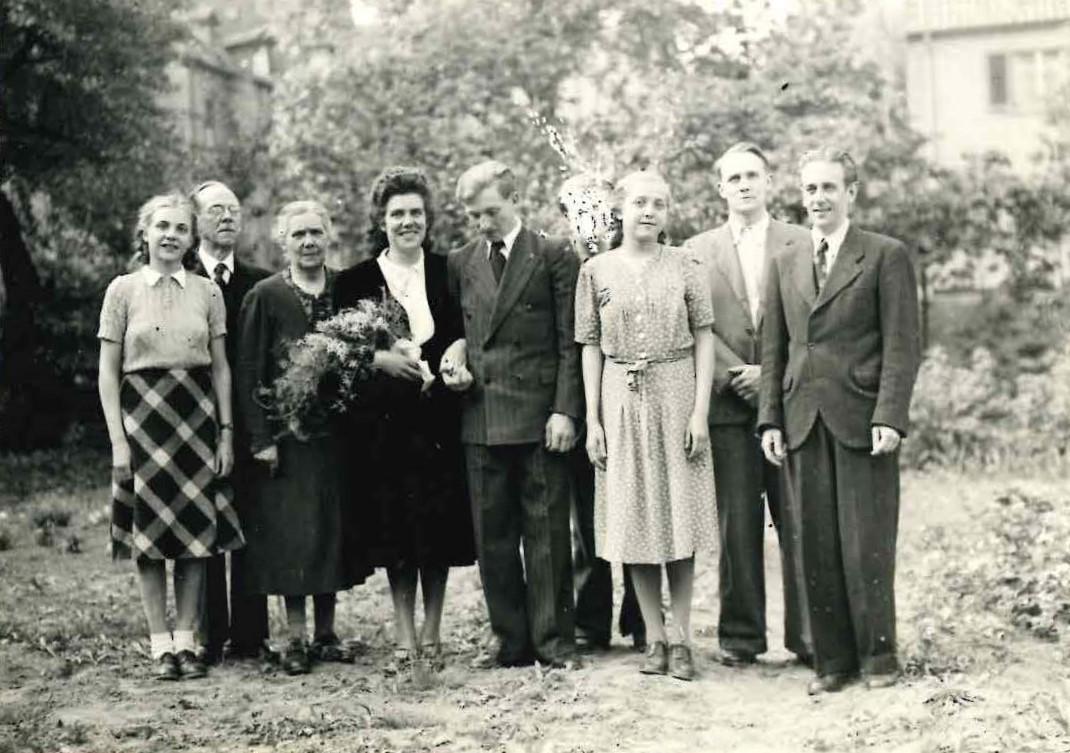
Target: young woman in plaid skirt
<point>164,387</point>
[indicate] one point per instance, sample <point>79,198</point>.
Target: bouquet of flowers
<point>323,370</point>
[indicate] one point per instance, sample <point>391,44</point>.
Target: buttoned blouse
<point>162,322</point>
<point>648,312</point>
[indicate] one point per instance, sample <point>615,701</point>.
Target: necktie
<point>220,275</point>
<point>821,264</point>
<point>497,259</point>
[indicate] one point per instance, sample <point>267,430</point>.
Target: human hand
<point>560,433</point>
<point>224,454</point>
<point>458,379</point>
<point>885,440</point>
<point>398,365</point>
<point>697,438</point>
<point>120,460</point>
<point>455,356</point>
<point>270,457</point>
<point>773,446</point>
<point>596,445</point>
<point>745,381</point>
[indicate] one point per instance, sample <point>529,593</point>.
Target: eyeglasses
<point>218,210</point>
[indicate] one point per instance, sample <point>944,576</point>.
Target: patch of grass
<point>77,465</point>
<point>50,516</point>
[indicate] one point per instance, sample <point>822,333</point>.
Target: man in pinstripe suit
<point>516,290</point>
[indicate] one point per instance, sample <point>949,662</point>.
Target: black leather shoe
<point>828,684</point>
<point>585,642</point>
<point>732,658</point>
<point>681,666</point>
<point>327,648</point>
<point>190,666</point>
<point>166,668</point>
<point>569,663</point>
<point>657,659</point>
<point>212,655</point>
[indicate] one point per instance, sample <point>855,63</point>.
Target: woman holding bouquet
<point>295,521</point>
<point>164,388</point>
<point>404,433</point>
<point>643,316</point>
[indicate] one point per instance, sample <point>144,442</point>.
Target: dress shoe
<point>587,642</point>
<point>569,662</point>
<point>681,666</point>
<point>190,666</point>
<point>733,658</point>
<point>828,684</point>
<point>885,680</point>
<point>166,668</point>
<point>327,648</point>
<point>657,659</point>
<point>254,651</point>
<point>212,655</point>
<point>295,659</point>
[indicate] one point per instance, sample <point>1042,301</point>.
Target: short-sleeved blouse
<point>160,322</point>
<point>646,313</point>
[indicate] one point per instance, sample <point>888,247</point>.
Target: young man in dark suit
<point>736,255</point>
<point>840,354</point>
<point>516,291</point>
<point>245,624</point>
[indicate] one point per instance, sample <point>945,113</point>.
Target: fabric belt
<point>634,368</point>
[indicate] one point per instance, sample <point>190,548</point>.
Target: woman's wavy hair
<point>620,190</point>
<point>397,180</point>
<point>173,200</point>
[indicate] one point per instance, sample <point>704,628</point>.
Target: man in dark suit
<point>245,624</point>
<point>840,354</point>
<point>516,293</point>
<point>735,255</point>
<point>584,200</point>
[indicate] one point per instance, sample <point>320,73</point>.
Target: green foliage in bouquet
<point>323,370</point>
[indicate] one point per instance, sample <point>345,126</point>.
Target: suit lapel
<point>518,269</point>
<point>802,272</point>
<point>479,274</point>
<point>775,243</point>
<point>726,259</point>
<point>845,269</point>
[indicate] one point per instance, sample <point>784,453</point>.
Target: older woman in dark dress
<point>295,518</point>
<point>408,492</point>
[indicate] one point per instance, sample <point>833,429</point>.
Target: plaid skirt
<point>174,506</point>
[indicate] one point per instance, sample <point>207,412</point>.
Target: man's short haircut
<point>826,153</point>
<point>195,194</point>
<point>742,147</point>
<point>476,179</point>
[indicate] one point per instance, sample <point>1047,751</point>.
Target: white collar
<point>760,228</point>
<point>835,239</point>
<point>385,258</point>
<point>152,276</point>
<point>509,239</point>
<point>209,262</point>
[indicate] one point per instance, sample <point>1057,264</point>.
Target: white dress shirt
<point>407,284</point>
<point>209,263</point>
<point>750,249</point>
<point>835,240</point>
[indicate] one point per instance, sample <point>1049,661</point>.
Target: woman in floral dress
<point>643,316</point>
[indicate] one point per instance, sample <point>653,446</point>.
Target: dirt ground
<point>72,671</point>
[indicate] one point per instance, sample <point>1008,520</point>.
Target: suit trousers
<point>849,509</point>
<point>594,576</point>
<point>743,476</point>
<point>245,621</point>
<point>520,495</point>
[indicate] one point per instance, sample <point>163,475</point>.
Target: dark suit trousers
<point>521,494</point>
<point>594,576</point>
<point>245,622</point>
<point>849,504</point>
<point>742,476</point>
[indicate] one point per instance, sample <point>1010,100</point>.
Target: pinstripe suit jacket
<point>524,362</point>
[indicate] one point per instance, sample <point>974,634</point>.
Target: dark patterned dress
<point>296,519</point>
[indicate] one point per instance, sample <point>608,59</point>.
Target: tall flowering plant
<point>323,370</point>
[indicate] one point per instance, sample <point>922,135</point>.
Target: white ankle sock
<point>184,641</point>
<point>160,644</point>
